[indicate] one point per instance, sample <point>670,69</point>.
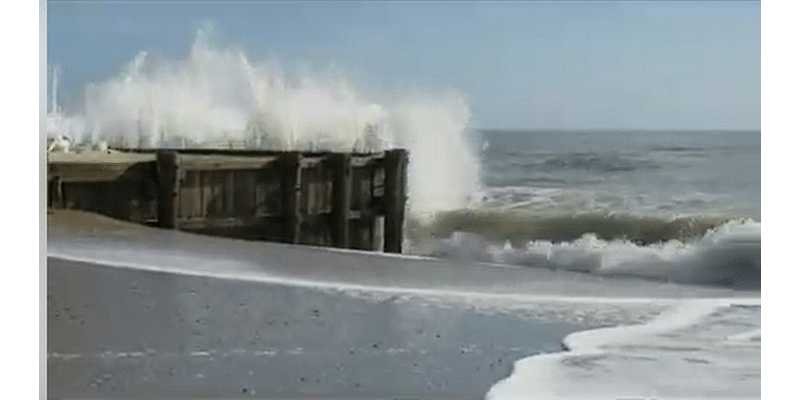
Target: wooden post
<point>342,182</point>
<point>394,198</point>
<point>57,193</point>
<point>291,164</point>
<point>168,186</point>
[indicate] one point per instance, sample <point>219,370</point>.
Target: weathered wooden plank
<point>378,224</point>
<point>88,172</point>
<point>244,198</point>
<point>190,195</point>
<point>303,193</point>
<point>71,200</point>
<point>396,162</point>
<point>330,174</point>
<point>218,202</point>
<point>230,187</point>
<point>145,196</point>
<point>98,157</point>
<point>238,152</point>
<point>365,189</point>
<point>56,197</point>
<point>341,199</point>
<point>274,190</point>
<point>223,162</point>
<point>311,191</point>
<point>317,220</point>
<point>311,162</point>
<point>319,190</point>
<point>292,184</point>
<point>378,182</point>
<point>135,203</point>
<point>212,223</point>
<point>360,234</point>
<point>367,213</point>
<point>197,194</point>
<point>169,189</point>
<point>326,198</point>
<point>207,195</point>
<point>359,161</point>
<point>356,189</point>
<point>261,194</point>
<point>268,191</point>
<point>184,198</point>
<point>316,232</point>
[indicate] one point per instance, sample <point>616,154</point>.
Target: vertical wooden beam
<point>373,219</point>
<point>292,184</point>
<point>168,186</point>
<point>394,197</point>
<point>218,178</point>
<point>61,197</point>
<point>196,194</point>
<point>230,188</point>
<point>56,194</point>
<point>342,182</point>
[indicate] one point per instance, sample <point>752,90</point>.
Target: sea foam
<point>217,97</point>
<point>727,255</point>
<point>712,339</point>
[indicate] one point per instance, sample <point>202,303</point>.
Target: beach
<point>137,311</point>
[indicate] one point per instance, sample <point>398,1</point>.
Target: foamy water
<point>218,97</point>
<point>728,255</point>
<point>701,349</point>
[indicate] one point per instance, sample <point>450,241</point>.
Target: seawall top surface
<point>99,157</point>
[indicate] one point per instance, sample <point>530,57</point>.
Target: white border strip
<point>42,200</point>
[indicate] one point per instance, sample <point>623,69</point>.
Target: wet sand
<point>142,312</point>
<point>126,333</point>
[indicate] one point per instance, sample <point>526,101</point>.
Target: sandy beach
<point>137,311</point>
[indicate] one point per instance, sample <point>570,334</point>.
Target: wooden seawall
<point>329,199</point>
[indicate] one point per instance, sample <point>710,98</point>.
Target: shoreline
<point>138,310</point>
<point>717,339</point>
<point>118,332</point>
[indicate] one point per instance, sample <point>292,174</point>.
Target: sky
<point>519,65</point>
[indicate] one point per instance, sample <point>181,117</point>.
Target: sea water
<point>670,205</point>
<point>644,173</point>
<point>664,205</point>
<point>699,350</point>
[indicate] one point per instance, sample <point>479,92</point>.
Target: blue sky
<point>530,65</point>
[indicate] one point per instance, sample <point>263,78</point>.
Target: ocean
<point>639,173</point>
<point>669,205</point>
<point>657,205</point>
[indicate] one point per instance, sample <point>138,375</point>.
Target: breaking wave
<point>218,98</point>
<point>707,251</point>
